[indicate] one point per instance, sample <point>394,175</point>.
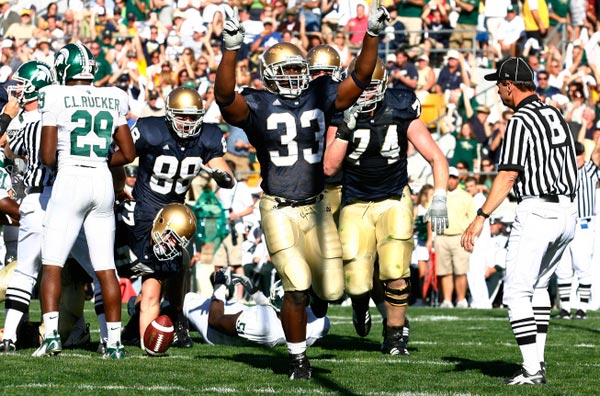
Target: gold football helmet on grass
<point>172,230</point>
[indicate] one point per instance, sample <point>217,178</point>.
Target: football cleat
<point>182,337</point>
<point>7,346</point>
<point>115,352</point>
<point>394,342</point>
<point>130,335</point>
<point>299,367</point>
<point>563,314</point>
<point>101,350</point>
<point>361,322</point>
<point>244,281</point>
<point>51,346</point>
<point>522,377</point>
<point>580,314</point>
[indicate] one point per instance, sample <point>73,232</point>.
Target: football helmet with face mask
<point>371,96</point>
<point>324,58</point>
<point>30,77</point>
<point>284,70</point>
<point>185,112</point>
<point>74,61</point>
<point>172,230</point>
<point>276,296</point>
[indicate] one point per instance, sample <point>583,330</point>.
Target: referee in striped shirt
<point>538,163</point>
<point>578,255</point>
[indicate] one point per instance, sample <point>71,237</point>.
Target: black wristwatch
<point>481,213</point>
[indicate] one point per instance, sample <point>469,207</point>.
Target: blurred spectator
<point>395,34</point>
<point>70,25</point>
<point>139,9</point>
<point>43,51</point>
<point>453,74</point>
<point>152,44</point>
<point>24,29</point>
<point>403,73</point>
<point>510,34</point>
<point>481,128</point>
<point>7,17</point>
<point>289,22</point>
<point>549,94</point>
<point>340,44</point>
<point>266,38</point>
<point>497,137</point>
<point>103,68</point>
<point>452,260</point>
<point>197,41</point>
<point>426,77</point>
<point>164,9</point>
<point>463,35</point>
<point>155,105</point>
<point>9,55</point>
<point>201,74</point>
<point>494,17</point>
<point>535,15</point>
<point>433,38</point>
<point>357,26</point>
<point>51,12</point>
<point>409,13</point>
<point>186,61</point>
<point>311,10</point>
<point>485,180</point>
<point>238,150</point>
<point>131,172</point>
<point>467,147</point>
<point>577,11</point>
<point>559,22</point>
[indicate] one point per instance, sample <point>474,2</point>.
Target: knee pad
<point>396,297</point>
<point>299,297</point>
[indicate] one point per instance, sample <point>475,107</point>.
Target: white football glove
<point>377,18</point>
<point>438,214</point>
<point>233,31</point>
<point>350,115</point>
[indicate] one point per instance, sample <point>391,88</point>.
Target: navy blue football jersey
<point>289,137</point>
<point>168,164</point>
<point>375,163</point>
<point>166,167</point>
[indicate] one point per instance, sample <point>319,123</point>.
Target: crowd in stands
<point>150,47</point>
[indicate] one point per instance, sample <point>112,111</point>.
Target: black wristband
<point>5,119</point>
<point>343,132</point>
<point>227,103</point>
<point>359,83</point>
<point>481,213</point>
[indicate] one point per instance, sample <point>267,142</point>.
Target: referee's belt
<point>545,198</point>
<point>282,202</point>
<point>35,190</point>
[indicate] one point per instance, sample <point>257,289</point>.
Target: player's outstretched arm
<point>351,88</point>
<point>126,152</point>
<point>233,106</point>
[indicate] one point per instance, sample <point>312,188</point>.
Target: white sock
<point>50,324</point>
<point>114,333</point>
<point>296,348</point>
<point>11,323</point>
<point>219,293</point>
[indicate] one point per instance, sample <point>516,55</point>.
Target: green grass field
<point>453,352</point>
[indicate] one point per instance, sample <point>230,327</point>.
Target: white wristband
<point>439,192</point>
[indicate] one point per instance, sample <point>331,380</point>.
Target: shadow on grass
<point>355,343</point>
<point>278,364</point>
<point>493,368</point>
<point>573,325</point>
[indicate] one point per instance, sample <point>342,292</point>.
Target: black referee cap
<point>512,69</point>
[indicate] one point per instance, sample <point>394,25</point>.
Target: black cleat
<point>580,314</point>
<point>130,335</point>
<point>7,346</point>
<point>361,322</point>
<point>299,367</point>
<point>182,337</point>
<point>394,342</point>
<point>563,314</point>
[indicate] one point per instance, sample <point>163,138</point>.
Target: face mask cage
<point>184,123</point>
<point>168,245</point>
<point>288,78</point>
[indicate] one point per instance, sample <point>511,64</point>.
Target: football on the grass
<point>158,336</point>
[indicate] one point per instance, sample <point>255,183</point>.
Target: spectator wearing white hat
<point>426,77</point>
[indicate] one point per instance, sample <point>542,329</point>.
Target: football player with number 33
<point>286,123</point>
<point>376,219</point>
